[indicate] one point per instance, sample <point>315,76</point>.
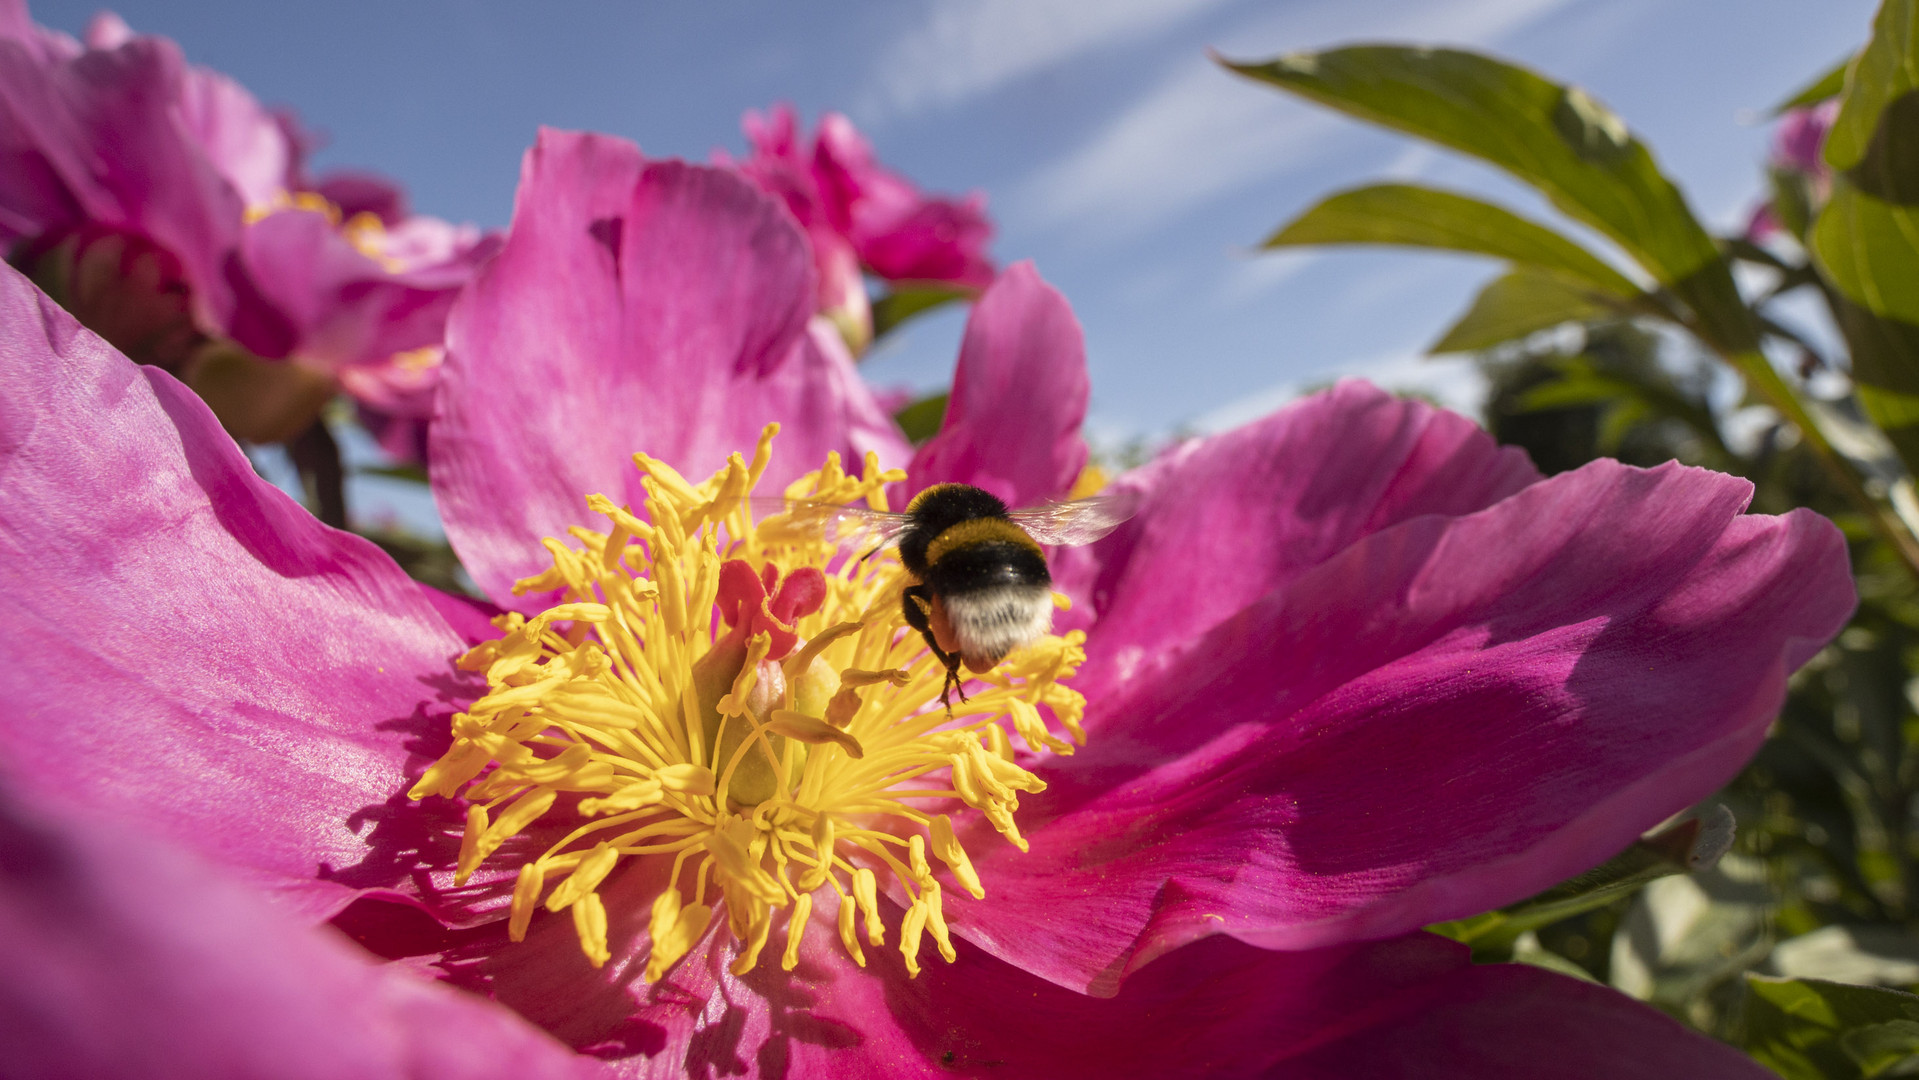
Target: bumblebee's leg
<point>916,603</point>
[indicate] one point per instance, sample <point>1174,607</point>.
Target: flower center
<point>364,230</point>
<point>744,699</point>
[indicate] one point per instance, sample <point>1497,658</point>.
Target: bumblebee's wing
<point>860,530</point>
<point>1081,521</point>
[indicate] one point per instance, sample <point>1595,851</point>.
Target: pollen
<point>741,701</point>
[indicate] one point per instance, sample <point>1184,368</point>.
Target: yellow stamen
<point>761,778</point>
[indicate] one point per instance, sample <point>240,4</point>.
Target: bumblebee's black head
<point>937,509</point>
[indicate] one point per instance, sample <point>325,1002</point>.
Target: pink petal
<point>238,136</point>
<point>1449,715</point>
<point>1019,397</point>
<point>637,306</point>
<point>941,240</point>
<point>192,649</point>
<point>41,43</point>
<point>364,193</point>
<point>1513,1021</point>
<point>395,399</point>
<point>1801,137</point>
<point>901,234</point>
<point>471,619</point>
<point>345,308</point>
<point>97,137</point>
<point>1219,1008</point>
<point>106,30</point>
<point>1226,520</point>
<point>125,957</point>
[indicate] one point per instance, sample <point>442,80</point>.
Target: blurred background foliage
<point>1787,354</point>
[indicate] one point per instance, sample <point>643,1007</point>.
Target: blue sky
<point>1133,171</point>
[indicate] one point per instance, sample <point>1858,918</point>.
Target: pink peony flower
<point>860,215</point>
<point>1800,140</point>
<point>163,204</point>
<point>1351,670</point>
<point>1798,146</point>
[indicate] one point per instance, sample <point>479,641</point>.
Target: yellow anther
<point>589,922</point>
<point>687,777</point>
<point>857,677</point>
<point>936,921</point>
<point>593,705</point>
<point>761,778</point>
<point>732,845</point>
<point>811,729</point>
<point>916,859</point>
<point>640,793</point>
<point>947,847</point>
<point>595,613</point>
<point>911,927</point>
<point>470,839</point>
<point>673,930</point>
<point>524,811</point>
<point>585,878</point>
<point>795,926</point>
<point>526,894</point>
<point>866,891</point>
<point>998,743</point>
<point>848,936</point>
<point>822,840</point>
<point>758,926</point>
<point>843,708</point>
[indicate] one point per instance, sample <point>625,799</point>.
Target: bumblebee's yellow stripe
<point>921,497</point>
<point>978,531</point>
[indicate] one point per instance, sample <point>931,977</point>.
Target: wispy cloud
<point>1457,383</point>
<point>1201,133</point>
<point>966,48</point>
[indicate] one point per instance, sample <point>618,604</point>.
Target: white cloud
<point>1201,132</point>
<point>1455,382</point>
<point>1260,272</point>
<point>966,48</point>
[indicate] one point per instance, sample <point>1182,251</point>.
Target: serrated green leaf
<point>921,420</point>
<point>1826,86</point>
<point>1414,216</point>
<point>905,302</point>
<point>1811,1029</point>
<point>1519,303</point>
<point>1556,138</point>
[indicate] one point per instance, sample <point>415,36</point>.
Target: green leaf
<point>1691,845</point>
<point>409,472</point>
<point>1820,89</point>
<point>1414,216</point>
<point>1869,249</point>
<point>901,304</point>
<point>1555,138</point>
<point>921,420</point>
<point>1519,303</point>
<point>1866,240</point>
<point>1791,199</point>
<point>1880,76</point>
<point>1811,1029</point>
<point>1628,398</point>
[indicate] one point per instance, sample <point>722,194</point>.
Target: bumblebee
<point>981,587</point>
